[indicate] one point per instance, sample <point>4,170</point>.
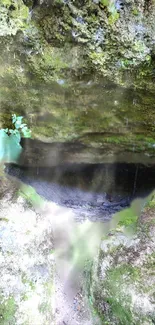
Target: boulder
<point>123,276</point>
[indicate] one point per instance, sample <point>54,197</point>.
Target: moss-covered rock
<point>121,289</point>
<point>13,17</point>
<point>99,118</point>
<point>69,38</point>
<point>50,68</point>
<point>115,37</point>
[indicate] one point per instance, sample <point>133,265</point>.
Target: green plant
<point>135,12</point>
<point>10,147</point>
<point>19,127</point>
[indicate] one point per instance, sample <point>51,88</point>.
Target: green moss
<point>7,311</point>
<point>60,2</point>
<point>113,14</point>
<point>49,288</point>
<point>148,58</point>
<point>25,280</point>
<point>126,141</point>
<point>127,218</point>
<point>30,195</point>
<point>54,27</point>
<point>151,202</point>
<point>139,46</point>
<point>28,3</point>
<point>117,301</point>
<point>49,65</point>
<point>44,308</point>
<point>97,57</point>
<point>25,298</point>
<point>135,12</point>
<point>129,272</point>
<point>104,2</point>
<point>112,296</point>
<point>12,20</point>
<point>150,262</point>
<point>122,314</point>
<point>126,63</point>
<point>113,18</point>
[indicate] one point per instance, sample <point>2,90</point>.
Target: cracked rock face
<point>122,287</point>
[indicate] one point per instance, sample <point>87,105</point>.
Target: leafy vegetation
<point>10,147</point>
<point>19,127</point>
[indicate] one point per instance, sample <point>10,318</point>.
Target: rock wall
<point>74,38</point>
<point>113,36</point>
<point>56,58</point>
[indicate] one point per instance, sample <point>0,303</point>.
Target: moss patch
<point>13,17</point>
<point>30,195</point>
